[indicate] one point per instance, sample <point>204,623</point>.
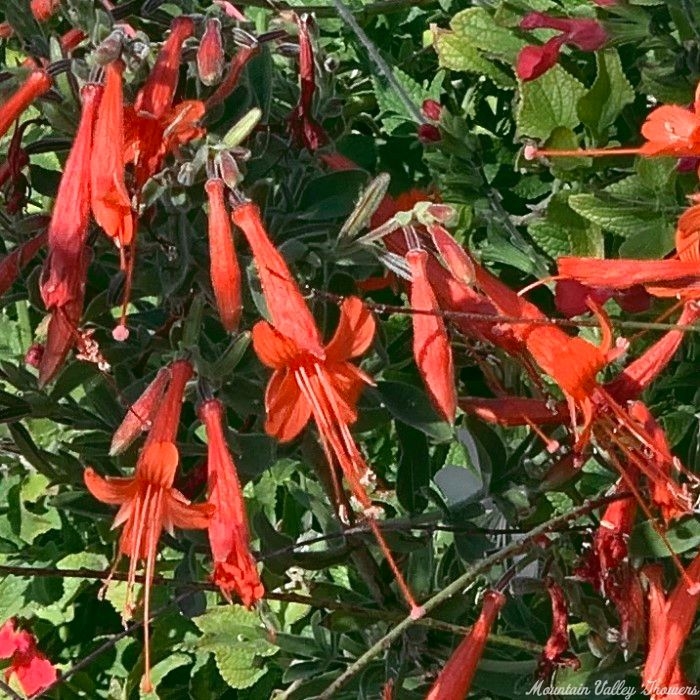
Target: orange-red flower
<point>37,83</point>
<point>154,127</point>
<point>326,388</point>
<point>43,10</point>
<point>223,264</point>
<point>33,670</point>
<point>156,97</point>
<point>431,345</point>
<point>68,229</point>
<point>148,502</point>
<point>234,566</point>
<point>456,677</point>
<point>671,618</point>
<point>111,205</point>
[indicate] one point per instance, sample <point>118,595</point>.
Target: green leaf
<point>409,404</point>
<point>413,471</point>
<point>476,27</point>
<point>611,91</point>
<point>236,638</point>
<point>683,535</point>
<point>548,102</point>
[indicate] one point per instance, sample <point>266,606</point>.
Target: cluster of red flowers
<point>118,147</point>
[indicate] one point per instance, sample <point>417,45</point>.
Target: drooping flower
<point>33,671</point>
<point>155,99</point>
<point>68,229</point>
<point>431,346</point>
<point>148,502</point>
<point>37,83</point>
<point>304,128</point>
<point>239,61</point>
<point>671,618</point>
<point>224,270</point>
<point>111,205</point>
<point>311,380</point>
<point>555,649</point>
<point>210,54</point>
<point>234,566</point>
<point>584,34</point>
<point>456,677</point>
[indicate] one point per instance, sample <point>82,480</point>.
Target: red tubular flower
<point>67,233</point>
<point>555,650</point>
<point>43,10</point>
<point>514,410</point>
<point>456,677</point>
<point>571,297</point>
<point>148,502</point>
<point>534,61</point>
<point>12,264</point>
<point>305,130</point>
<point>37,83</point>
<point>431,345</point>
<point>140,414</point>
<point>224,269</point>
<point>234,566</point>
<point>210,54</point>
<point>286,307</point>
<point>671,618</point>
<point>33,670</point>
<point>111,206</point>
<point>156,97</point>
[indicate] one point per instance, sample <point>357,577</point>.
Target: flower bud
<point>431,110</point>
<point>210,54</point>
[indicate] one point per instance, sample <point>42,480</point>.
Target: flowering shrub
<point>349,354</point>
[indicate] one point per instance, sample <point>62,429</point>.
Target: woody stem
<point>454,588</point>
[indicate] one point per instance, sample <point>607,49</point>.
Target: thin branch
<point>454,588</point>
<point>497,318</point>
<point>376,57</point>
<point>9,692</point>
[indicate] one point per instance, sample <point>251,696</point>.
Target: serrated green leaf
<point>477,27</point>
<point>548,102</point>
<point>457,54</point>
<point>236,638</point>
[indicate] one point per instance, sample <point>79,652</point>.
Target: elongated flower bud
<point>37,83</point>
<point>455,258</point>
<point>456,677</point>
<point>210,54</point>
<point>431,346</point>
<point>140,414</point>
<point>110,201</point>
<point>156,96</point>
<point>234,566</point>
<point>224,269</point>
<point>71,212</point>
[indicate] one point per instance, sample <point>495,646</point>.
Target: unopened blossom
<point>234,567</point>
<point>456,677</point>
<point>556,649</point>
<point>224,270</point>
<point>210,54</point>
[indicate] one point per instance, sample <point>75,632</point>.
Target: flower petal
<point>354,332</point>
<point>288,411</point>
<point>114,491</point>
<point>272,348</point>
